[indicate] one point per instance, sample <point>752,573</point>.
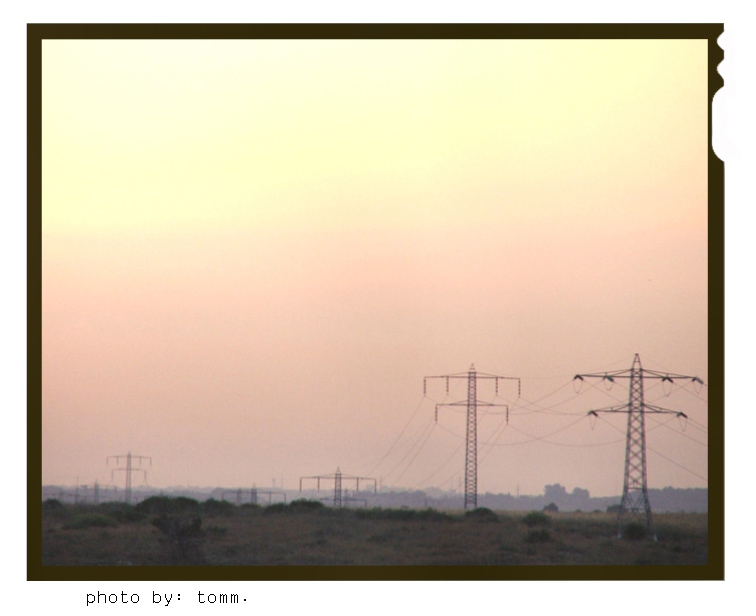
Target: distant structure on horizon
<point>129,469</point>
<point>339,499</point>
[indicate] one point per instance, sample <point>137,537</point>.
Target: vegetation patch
<point>304,504</point>
<point>407,515</point>
<point>536,518</point>
<point>181,538</point>
<point>538,535</point>
<point>327,536</point>
<point>155,505</point>
<point>212,507</point>
<point>634,531</point>
<point>121,512</point>
<point>90,520</point>
<point>481,514</point>
<point>275,508</point>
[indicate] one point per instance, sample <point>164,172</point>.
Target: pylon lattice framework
<point>472,403</point>
<point>129,470</point>
<point>338,478</point>
<point>635,506</point>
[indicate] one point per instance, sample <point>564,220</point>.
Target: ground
<point>194,534</point>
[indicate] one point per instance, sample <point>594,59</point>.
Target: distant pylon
<point>338,479</point>
<point>129,470</point>
<point>337,496</point>
<point>472,403</point>
<point>635,506</point>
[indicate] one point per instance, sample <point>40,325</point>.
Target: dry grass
<point>250,536</point>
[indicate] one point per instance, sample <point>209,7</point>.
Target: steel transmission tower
<point>472,403</point>
<point>129,469</point>
<point>635,506</point>
<point>338,478</point>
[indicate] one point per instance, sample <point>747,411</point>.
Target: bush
<point>536,518</point>
<point>121,512</point>
<point>634,531</point>
<point>52,504</point>
<point>166,504</point>
<point>214,507</point>
<point>53,508</point>
<point>181,538</point>
<point>90,520</point>
<point>552,508</point>
<point>613,508</point>
<point>540,535</point>
<point>481,514</point>
<point>304,504</point>
<point>275,508</point>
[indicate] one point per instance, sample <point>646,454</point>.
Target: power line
<point>391,448</point>
<point>129,469</point>
<point>635,504</point>
<point>472,403</point>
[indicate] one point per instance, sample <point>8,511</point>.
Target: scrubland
<point>181,531</point>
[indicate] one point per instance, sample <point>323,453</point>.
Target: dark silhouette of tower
<point>472,403</point>
<point>635,506</point>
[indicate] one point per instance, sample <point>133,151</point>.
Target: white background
<point>733,141</point>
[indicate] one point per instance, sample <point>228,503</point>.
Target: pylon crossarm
<point>465,403</point>
<point>668,376</point>
<point>650,408</point>
<point>619,408</point>
<point>628,374</point>
<point>609,376</point>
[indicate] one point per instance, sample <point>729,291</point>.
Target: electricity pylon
<point>129,469</point>
<point>338,498</point>
<point>635,506</point>
<point>472,403</point>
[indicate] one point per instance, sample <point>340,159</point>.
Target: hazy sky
<point>254,251</point>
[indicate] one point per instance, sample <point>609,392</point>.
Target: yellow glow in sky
<point>221,133</point>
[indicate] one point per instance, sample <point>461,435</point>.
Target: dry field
<point>184,532</point>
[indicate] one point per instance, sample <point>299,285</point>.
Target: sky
<point>255,251</point>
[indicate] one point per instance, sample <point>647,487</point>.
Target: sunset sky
<point>254,251</point>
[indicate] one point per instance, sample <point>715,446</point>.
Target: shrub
<point>613,508</point>
<point>552,508</point>
<point>53,508</point>
<point>181,538</point>
<point>214,507</point>
<point>52,504</point>
<point>166,504</point>
<point>539,535</point>
<point>536,518</point>
<point>481,514</point>
<point>304,504</point>
<point>634,531</point>
<point>275,508</point>
<point>121,512</point>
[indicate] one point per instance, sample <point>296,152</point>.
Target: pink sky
<point>248,288</point>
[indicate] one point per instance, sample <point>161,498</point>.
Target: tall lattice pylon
<point>635,506</point>
<point>472,403</point>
